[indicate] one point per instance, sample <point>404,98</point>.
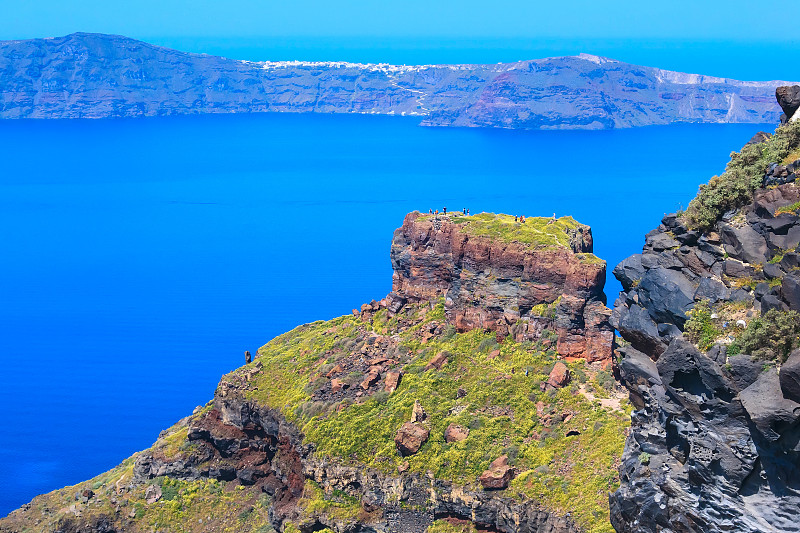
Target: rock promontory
<point>511,275</point>
<point>445,406</point>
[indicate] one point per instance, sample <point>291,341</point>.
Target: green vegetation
<point>700,328</point>
<point>338,505</point>
<point>445,526</point>
<point>539,232</point>
<point>498,397</point>
<point>788,208</point>
<point>567,474</point>
<point>743,175</point>
<point>770,337</point>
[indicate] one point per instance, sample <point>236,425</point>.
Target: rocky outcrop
<point>714,438</point>
<point>495,285</point>
<point>679,267</point>
<point>789,99</point>
<point>240,440</point>
<point>92,75</point>
<point>498,475</point>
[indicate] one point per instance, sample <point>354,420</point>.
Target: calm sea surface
<point>140,258</point>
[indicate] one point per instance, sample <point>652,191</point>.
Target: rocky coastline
<point>478,395</point>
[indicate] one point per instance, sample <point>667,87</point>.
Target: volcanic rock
<point>455,433</point>
<point>559,376</point>
<point>493,285</point>
<point>410,438</point>
<point>498,475</point>
<point>392,380</point>
<point>790,377</point>
<point>438,361</point>
<point>789,99</point>
<point>152,494</point>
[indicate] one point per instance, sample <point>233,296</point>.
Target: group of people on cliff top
<point>464,211</point>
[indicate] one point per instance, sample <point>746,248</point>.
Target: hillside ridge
<point>85,75</point>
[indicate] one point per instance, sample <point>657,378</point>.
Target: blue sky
<point>681,19</point>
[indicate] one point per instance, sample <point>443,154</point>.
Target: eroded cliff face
<point>512,288</point>
<point>240,440</point>
<point>710,318</point>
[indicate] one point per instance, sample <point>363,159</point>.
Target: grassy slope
<point>567,474</point>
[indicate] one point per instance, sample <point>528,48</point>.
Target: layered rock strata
<point>495,285</point>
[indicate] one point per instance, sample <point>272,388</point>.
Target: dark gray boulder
<point>683,368</point>
<point>712,290</point>
<point>636,327</point>
<point>766,406</point>
<point>662,241</point>
<point>669,332</point>
<point>743,370</point>
<point>629,271</point>
<point>667,295</point>
<point>790,377</point>
<point>661,259</point>
<point>786,241</point>
<point>790,291</point>
<point>772,271</point>
<point>770,301</point>
<point>744,243</point>
<point>790,260</point>
<point>736,269</point>
<point>741,295</point>
<point>788,97</point>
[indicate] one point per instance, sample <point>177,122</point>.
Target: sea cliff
<point>86,75</point>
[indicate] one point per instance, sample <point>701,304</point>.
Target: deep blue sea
<point>142,257</point>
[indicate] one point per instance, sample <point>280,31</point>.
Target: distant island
<point>85,75</point>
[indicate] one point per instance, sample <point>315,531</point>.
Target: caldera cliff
<point>85,75</point>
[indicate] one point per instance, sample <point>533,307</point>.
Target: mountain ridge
<point>86,75</point>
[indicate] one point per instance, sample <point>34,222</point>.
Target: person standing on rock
<point>444,210</point>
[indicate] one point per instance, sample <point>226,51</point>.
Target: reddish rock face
<point>559,376</point>
<point>495,285</point>
<point>498,475</point>
<point>337,385</point>
<point>392,381</point>
<point>410,438</point>
<point>438,361</point>
<point>455,433</point>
